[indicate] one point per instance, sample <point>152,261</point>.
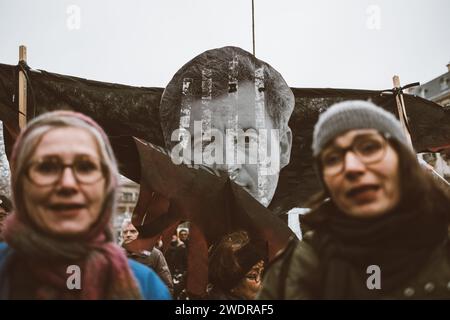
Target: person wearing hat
<point>5,209</point>
<point>59,241</point>
<point>379,228</point>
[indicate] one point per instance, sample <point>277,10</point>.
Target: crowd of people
<point>378,208</point>
<point>379,229</point>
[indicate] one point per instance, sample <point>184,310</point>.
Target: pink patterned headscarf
<point>105,273</point>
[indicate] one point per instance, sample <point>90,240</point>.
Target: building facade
<point>126,201</point>
<point>436,90</point>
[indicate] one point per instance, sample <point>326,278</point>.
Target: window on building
<point>423,92</point>
<point>444,83</point>
<point>127,196</point>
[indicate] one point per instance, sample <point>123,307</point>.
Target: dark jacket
<point>152,288</point>
<point>176,256</point>
<point>295,274</point>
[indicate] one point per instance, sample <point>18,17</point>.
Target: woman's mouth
<point>68,209</point>
<point>364,193</point>
<point>66,206</point>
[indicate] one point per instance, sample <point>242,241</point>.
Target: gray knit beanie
<point>354,114</point>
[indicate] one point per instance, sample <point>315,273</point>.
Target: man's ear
<point>285,148</point>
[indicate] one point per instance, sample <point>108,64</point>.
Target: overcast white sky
<point>320,43</point>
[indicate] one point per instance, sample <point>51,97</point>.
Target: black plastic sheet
<point>125,111</point>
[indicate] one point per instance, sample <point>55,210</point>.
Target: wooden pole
<point>22,90</point>
<point>401,109</point>
<point>253,26</point>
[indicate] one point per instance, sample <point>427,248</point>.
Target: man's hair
<point>279,99</point>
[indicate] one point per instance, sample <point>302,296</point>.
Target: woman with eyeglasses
<point>235,267</point>
<point>379,228</point>
<point>59,241</point>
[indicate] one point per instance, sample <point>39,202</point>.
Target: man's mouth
<point>245,186</point>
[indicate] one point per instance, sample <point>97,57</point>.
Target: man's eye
<point>48,167</point>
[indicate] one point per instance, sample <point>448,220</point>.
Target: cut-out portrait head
<point>228,110</point>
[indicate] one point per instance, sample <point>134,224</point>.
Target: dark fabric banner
<point>125,111</point>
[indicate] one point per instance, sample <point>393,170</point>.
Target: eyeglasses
<point>369,149</point>
<point>49,170</point>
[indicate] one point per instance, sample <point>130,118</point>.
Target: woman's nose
<point>68,178</point>
<point>352,163</point>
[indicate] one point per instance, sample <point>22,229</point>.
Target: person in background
<point>5,210</point>
<point>183,235</point>
<point>236,266</point>
<point>159,244</point>
<point>59,240</point>
<point>379,228</point>
<point>177,259</point>
<point>153,258</point>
